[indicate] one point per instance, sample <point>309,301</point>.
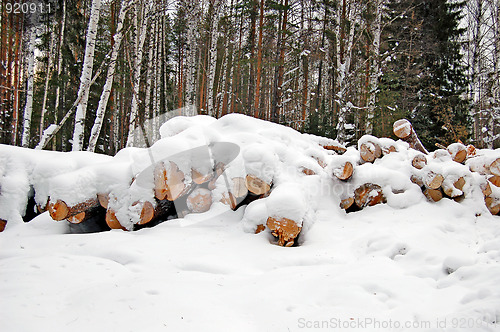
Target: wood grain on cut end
<point>260,228</point>
<point>256,185</point>
<point>471,150</point>
<point>175,182</point>
<point>147,213</point>
<point>3,223</point>
<point>458,152</point>
<point>58,210</point>
<point>228,199</point>
<point>286,230</point>
<point>368,194</point>
<point>200,178</point>
<point>336,148</point>
<point>433,195</point>
<point>402,128</point>
<point>495,167</point>
<point>368,151</point>
<point>493,205</point>
<point>200,200</point>
<point>495,180</point>
<point>103,200</point>
<point>112,221</point>
<point>417,180</point>
<point>433,180</point>
<point>419,161</point>
<point>345,171</point>
<point>77,218</point>
<point>239,187</point>
<point>485,188</point>
<point>346,203</point>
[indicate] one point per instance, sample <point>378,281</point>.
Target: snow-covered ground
<point>405,265</point>
<point>433,266</point>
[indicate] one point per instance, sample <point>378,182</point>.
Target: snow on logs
<point>275,172</point>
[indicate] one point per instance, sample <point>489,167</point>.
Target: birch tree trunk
<point>375,74</point>
<point>139,44</point>
<point>106,91</point>
<point>59,62</point>
<point>88,63</point>
<point>28,108</point>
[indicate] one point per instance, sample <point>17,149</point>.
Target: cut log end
<point>112,221</point>
<point>419,161</point>
<point>260,228</point>
<point>368,194</point>
<point>346,203</point>
<point>308,171</point>
<point>337,148</point>
<point>458,152</point>
<point>286,230</point>
<point>493,205</point>
<point>76,219</point>
<point>495,180</point>
<point>256,185</point>
<point>3,223</point>
<point>239,187</point>
<point>200,178</point>
<point>147,213</point>
<point>433,195</point>
<point>402,128</point>
<point>433,180</point>
<point>369,151</point>
<point>345,171</point>
<point>103,200</point>
<point>228,199</point>
<point>58,210</point>
<point>200,200</point>
<point>495,167</point>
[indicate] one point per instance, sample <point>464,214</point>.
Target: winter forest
<point>83,74</point>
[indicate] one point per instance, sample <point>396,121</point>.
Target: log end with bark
<point>3,223</point>
<point>404,130</point>
<point>59,210</point>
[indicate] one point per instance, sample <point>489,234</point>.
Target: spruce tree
<point>424,79</point>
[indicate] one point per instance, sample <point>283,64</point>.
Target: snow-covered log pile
<point>202,164</point>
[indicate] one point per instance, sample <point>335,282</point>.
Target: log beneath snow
<point>103,200</point>
<point>59,210</point>
<point>3,223</point>
<point>453,189</point>
<point>495,167</point>
<point>95,212</point>
<point>256,185</point>
<point>346,203</point>
<point>404,130</point>
<point>286,230</point>
<point>200,178</point>
<point>239,188</point>
<point>369,151</point>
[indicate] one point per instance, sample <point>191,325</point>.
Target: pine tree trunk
<point>375,67</point>
<point>48,74</point>
<point>259,62</point>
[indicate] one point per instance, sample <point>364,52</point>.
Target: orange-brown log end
<point>58,210</point>
<point>286,230</point>
<point>256,185</point>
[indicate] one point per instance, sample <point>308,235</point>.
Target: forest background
<point>84,74</point>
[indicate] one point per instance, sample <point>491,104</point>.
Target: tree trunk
<point>106,91</point>
<point>28,108</point>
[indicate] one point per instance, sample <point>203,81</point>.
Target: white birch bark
<point>139,45</point>
<point>213,59</point>
<point>88,63</point>
<point>106,91</point>
<point>28,108</point>
<point>375,67</point>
